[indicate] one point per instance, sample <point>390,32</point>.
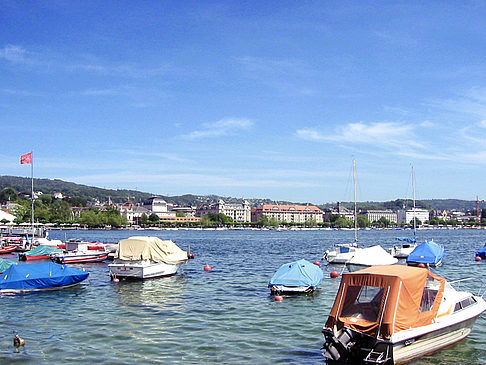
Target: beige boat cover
<point>150,248</point>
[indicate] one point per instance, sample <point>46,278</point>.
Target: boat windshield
<point>430,292</point>
<point>363,302</point>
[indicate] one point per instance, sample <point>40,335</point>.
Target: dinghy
<point>394,314</point>
<point>296,277</point>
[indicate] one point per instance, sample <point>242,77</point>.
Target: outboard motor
<point>339,348</point>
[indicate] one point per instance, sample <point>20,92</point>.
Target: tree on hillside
<point>8,194</point>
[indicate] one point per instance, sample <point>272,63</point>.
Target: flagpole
<point>32,191</point>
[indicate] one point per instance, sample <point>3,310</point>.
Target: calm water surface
<point>222,316</point>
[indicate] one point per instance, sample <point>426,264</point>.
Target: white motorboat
<point>370,256</point>
<point>146,257</point>
<point>402,251</point>
<point>395,313</point>
<point>341,253</point>
<point>78,252</point>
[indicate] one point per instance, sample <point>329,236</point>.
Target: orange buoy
<point>422,265</point>
<point>317,263</point>
<point>478,258</point>
<point>208,268</point>
<point>334,274</point>
<point>278,298</point>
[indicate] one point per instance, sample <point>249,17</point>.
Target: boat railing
<point>459,286</point>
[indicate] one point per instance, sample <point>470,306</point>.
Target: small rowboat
<point>7,249</point>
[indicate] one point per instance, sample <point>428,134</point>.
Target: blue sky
<point>247,98</point>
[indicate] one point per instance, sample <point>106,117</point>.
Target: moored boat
<point>481,252</point>
<point>394,314</point>
<point>370,256</point>
<point>402,250</point>
<point>78,252</point>
<point>144,257</point>
<point>39,253</point>
<point>7,249</point>
<point>295,278</point>
<point>5,264</point>
<point>428,253</point>
<point>39,277</point>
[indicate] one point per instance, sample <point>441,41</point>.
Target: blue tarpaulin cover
<point>428,252</point>
<point>482,252</point>
<point>40,276</point>
<point>297,273</point>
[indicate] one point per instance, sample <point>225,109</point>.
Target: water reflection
<point>156,295</point>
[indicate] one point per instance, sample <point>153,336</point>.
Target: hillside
<point>90,193</point>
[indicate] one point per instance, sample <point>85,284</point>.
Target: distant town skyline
<point>254,100</point>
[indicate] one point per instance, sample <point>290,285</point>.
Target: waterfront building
<point>239,212</point>
<point>288,213</point>
<point>406,216</point>
<point>156,205</point>
<point>341,210</point>
<point>376,215</point>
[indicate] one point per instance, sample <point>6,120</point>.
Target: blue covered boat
<point>428,253</point>
<point>41,276</point>
<point>296,277</point>
<point>482,252</point>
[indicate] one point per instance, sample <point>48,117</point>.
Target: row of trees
<point>60,211</point>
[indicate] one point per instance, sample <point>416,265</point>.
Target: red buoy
<point>191,256</point>
<point>116,280</point>
<point>318,263</point>
<point>208,267</point>
<point>422,265</point>
<point>278,298</point>
<point>478,258</point>
<point>334,274</point>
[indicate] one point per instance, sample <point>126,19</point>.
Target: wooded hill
<point>90,193</point>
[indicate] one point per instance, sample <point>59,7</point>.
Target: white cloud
<point>482,123</point>
<point>13,53</point>
<point>384,133</point>
<point>223,127</point>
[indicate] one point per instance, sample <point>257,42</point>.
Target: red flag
<point>26,159</point>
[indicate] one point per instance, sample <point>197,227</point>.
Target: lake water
<point>222,316</point>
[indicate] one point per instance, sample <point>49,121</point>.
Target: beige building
<point>239,212</point>
<point>288,213</point>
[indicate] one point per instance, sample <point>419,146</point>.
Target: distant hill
<point>90,193</point>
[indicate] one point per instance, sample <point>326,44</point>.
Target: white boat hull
<point>402,252</point>
<point>142,270</point>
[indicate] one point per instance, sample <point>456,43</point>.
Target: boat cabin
<point>383,300</point>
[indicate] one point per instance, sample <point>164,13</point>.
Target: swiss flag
<point>26,159</point>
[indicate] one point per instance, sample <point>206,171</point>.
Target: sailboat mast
<point>355,207</point>
<point>32,192</point>
<point>414,213</point>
